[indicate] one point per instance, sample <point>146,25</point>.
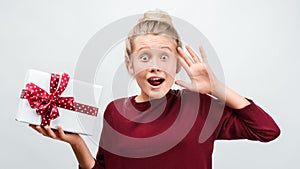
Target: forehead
<point>154,41</point>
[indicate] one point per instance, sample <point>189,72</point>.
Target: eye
<point>144,58</point>
<point>164,57</point>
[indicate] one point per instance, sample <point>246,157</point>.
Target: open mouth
<point>155,81</point>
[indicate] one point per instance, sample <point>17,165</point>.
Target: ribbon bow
<point>46,104</point>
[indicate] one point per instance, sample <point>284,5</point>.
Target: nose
<point>154,69</point>
<point>154,65</point>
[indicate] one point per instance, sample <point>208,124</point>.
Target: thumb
<point>183,84</point>
<point>61,133</point>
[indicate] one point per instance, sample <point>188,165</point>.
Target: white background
<point>256,41</point>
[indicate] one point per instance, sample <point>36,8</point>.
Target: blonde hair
<point>156,22</point>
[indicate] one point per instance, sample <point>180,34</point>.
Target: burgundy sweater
<point>175,132</point>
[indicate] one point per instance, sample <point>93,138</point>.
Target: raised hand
<point>202,78</point>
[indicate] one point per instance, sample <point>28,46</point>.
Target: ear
<point>129,65</point>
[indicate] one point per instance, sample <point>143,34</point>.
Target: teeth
<point>155,78</point>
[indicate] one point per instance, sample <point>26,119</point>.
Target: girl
<point>160,127</point>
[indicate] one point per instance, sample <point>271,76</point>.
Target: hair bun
<point>157,15</point>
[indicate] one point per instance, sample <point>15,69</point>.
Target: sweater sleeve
<point>250,122</point>
<point>99,161</point>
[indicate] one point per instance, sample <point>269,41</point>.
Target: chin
<point>156,94</point>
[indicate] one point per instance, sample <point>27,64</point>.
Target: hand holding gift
<point>58,134</point>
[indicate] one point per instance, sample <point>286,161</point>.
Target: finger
<point>34,127</point>
<point>193,54</point>
<point>50,132</point>
<point>203,55</point>
<point>184,56</point>
<point>184,65</point>
<point>61,132</point>
<point>41,130</point>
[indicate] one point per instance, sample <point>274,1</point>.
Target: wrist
<point>234,100</point>
<point>75,141</point>
<point>218,90</point>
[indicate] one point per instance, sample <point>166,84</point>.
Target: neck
<point>141,98</point>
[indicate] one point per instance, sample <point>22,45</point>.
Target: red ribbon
<point>46,104</point>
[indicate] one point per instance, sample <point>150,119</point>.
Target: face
<point>154,65</point>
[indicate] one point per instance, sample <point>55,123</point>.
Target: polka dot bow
<point>46,104</point>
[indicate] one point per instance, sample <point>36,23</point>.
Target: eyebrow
<point>163,47</point>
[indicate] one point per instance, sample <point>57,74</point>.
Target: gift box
<point>57,100</point>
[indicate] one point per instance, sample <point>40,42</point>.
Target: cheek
<point>170,80</point>
<point>140,77</point>
<point>170,69</point>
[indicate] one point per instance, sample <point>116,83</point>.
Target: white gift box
<point>69,120</point>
